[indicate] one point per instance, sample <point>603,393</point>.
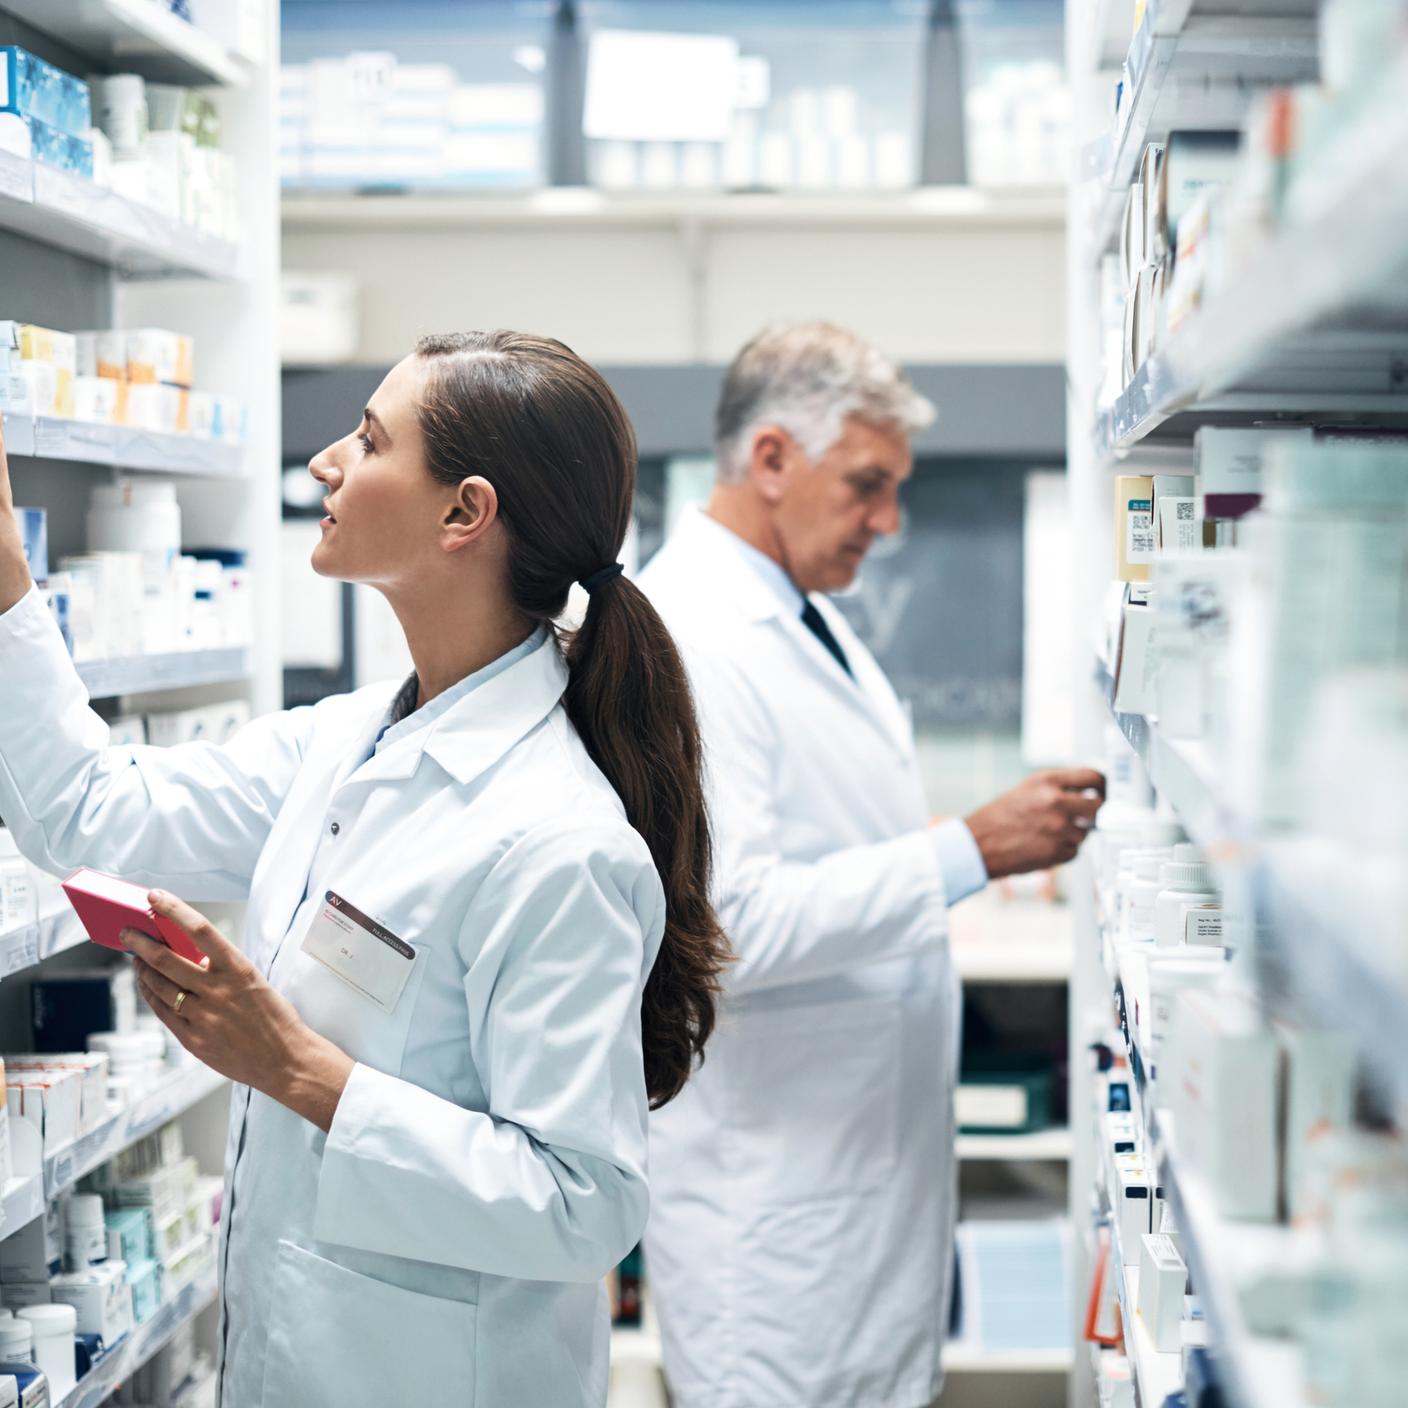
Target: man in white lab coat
<point>800,1242</point>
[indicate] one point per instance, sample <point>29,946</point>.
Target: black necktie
<point>815,622</point>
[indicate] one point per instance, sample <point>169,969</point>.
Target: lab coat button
<point>335,828</point>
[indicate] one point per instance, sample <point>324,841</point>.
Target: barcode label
<point>1184,508</point>
<point>1140,519</point>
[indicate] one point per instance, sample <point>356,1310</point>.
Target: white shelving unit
<point>1313,333</point>
<point>152,271</point>
<point>937,205</point>
<point>142,1344</point>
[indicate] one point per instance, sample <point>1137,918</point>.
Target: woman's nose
<point>324,469</point>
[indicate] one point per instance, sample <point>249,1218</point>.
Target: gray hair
<point>807,378</point>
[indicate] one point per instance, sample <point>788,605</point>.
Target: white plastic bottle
<point>85,1232</point>
<point>1188,908</point>
<point>1140,894</point>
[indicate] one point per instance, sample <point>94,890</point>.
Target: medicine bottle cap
<point>85,1210</point>
<point>50,1319</point>
<point>1187,871</point>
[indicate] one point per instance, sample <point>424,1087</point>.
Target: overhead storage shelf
<point>929,206</point>
<point>67,212</point>
<point>49,438</point>
<point>140,36</point>
<point>1193,68</point>
<point>54,933</point>
<point>181,669</point>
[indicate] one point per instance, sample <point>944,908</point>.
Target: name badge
<point>360,951</point>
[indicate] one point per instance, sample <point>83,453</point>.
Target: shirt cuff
<point>960,860</point>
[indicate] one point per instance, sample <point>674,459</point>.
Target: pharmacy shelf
<point>142,1344</point>
<point>1156,1375</point>
<point>121,447</point>
<point>135,36</point>
<point>68,212</point>
<point>1173,393</point>
<point>1006,962</point>
<point>1347,255</point>
<point>24,1198</point>
<point>1310,896</point>
<point>1180,771</point>
<point>21,1202</point>
<point>54,933</point>
<point>176,1094</point>
<point>180,669</point>
<point>1187,70</point>
<point>1258,1372</point>
<point>929,206</point>
<point>635,1346</point>
<point>960,1358</point>
<point>1054,1144</point>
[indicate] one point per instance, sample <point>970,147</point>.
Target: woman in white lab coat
<point>479,942</point>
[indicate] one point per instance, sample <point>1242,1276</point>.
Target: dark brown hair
<point>548,433</point>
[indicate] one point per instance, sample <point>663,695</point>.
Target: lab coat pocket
<point>341,1340</point>
<point>814,1096</point>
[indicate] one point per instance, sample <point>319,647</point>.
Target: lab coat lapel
<point>721,567</point>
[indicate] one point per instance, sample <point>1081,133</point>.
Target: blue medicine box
<point>34,528</point>
<point>35,89</point>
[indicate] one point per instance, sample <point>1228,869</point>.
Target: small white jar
<point>1140,895</point>
<point>1186,885</point>
<point>16,1340</point>
<point>54,1327</point>
<point>85,1232</point>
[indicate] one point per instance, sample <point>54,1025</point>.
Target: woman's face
<point>384,510</point>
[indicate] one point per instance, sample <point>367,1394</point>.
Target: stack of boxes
<point>44,112</point>
<point>143,378</point>
<point>141,1229</point>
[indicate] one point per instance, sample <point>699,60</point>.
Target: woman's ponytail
<point>545,429</point>
<point>629,698</point>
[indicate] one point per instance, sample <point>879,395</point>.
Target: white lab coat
<point>445,1243</point>
<point>802,1187</point>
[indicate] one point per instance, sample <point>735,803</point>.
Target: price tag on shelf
<point>21,951</point>
<point>63,1174</point>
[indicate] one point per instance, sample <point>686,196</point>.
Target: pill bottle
<point>1143,890</point>
<point>16,1341</point>
<point>1186,885</point>
<point>85,1232</point>
<point>54,1329</point>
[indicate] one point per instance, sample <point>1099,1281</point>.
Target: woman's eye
<point>366,441</point>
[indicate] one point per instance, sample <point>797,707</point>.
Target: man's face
<point>827,513</point>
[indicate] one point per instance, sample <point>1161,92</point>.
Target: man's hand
<point>14,570</point>
<point>1039,823</point>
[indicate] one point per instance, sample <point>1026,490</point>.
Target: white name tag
<point>360,951</point>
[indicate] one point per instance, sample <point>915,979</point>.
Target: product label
<point>1203,926</point>
<point>363,953</point>
<point>1139,528</point>
<point>1164,1253</point>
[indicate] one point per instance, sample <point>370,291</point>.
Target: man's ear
<point>773,450</point>
<point>470,514</point>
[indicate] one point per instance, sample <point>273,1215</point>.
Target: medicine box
<point>159,356</point>
<point>34,530</point>
<point>1220,1076</point>
<point>1177,524</point>
<point>1163,1279</point>
<point>1230,464</point>
<point>29,1255</point>
<point>101,1296</point>
<point>1134,527</point>
<point>50,1101</point>
<point>129,1235</point>
<point>1318,1071</point>
<point>91,1068</point>
<point>144,1281</point>
<point>1132,1201</point>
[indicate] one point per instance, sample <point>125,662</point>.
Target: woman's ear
<point>470,514</point>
